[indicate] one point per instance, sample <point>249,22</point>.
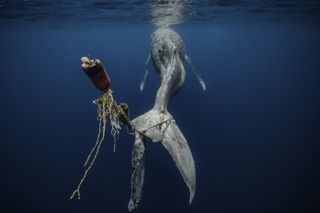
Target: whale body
<point>167,54</point>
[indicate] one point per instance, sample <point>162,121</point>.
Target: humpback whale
<point>167,54</point>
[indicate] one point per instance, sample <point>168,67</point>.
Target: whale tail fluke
<point>137,177</point>
<point>177,146</point>
<point>160,127</point>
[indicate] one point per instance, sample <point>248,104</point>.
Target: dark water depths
<point>254,133</point>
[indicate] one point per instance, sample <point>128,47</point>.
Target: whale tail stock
<point>160,127</point>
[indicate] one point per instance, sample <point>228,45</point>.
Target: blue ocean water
<point>254,133</point>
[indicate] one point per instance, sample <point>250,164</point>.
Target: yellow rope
<point>107,106</point>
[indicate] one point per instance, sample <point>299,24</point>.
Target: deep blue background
<point>254,133</point>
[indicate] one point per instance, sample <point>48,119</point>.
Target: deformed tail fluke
<point>177,146</point>
<point>160,127</point>
<point>137,177</point>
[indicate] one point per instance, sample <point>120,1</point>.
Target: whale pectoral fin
<point>176,144</point>
<point>146,71</point>
<point>137,178</point>
<point>203,85</point>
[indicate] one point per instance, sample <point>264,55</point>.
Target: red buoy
<point>97,73</point>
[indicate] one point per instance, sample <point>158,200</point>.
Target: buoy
<point>96,72</point>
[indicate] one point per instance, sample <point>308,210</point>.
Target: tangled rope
<point>106,106</point>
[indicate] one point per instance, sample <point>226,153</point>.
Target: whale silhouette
<point>168,55</point>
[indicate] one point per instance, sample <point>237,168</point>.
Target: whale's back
<point>163,40</point>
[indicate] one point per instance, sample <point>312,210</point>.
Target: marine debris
<point>107,107</point>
